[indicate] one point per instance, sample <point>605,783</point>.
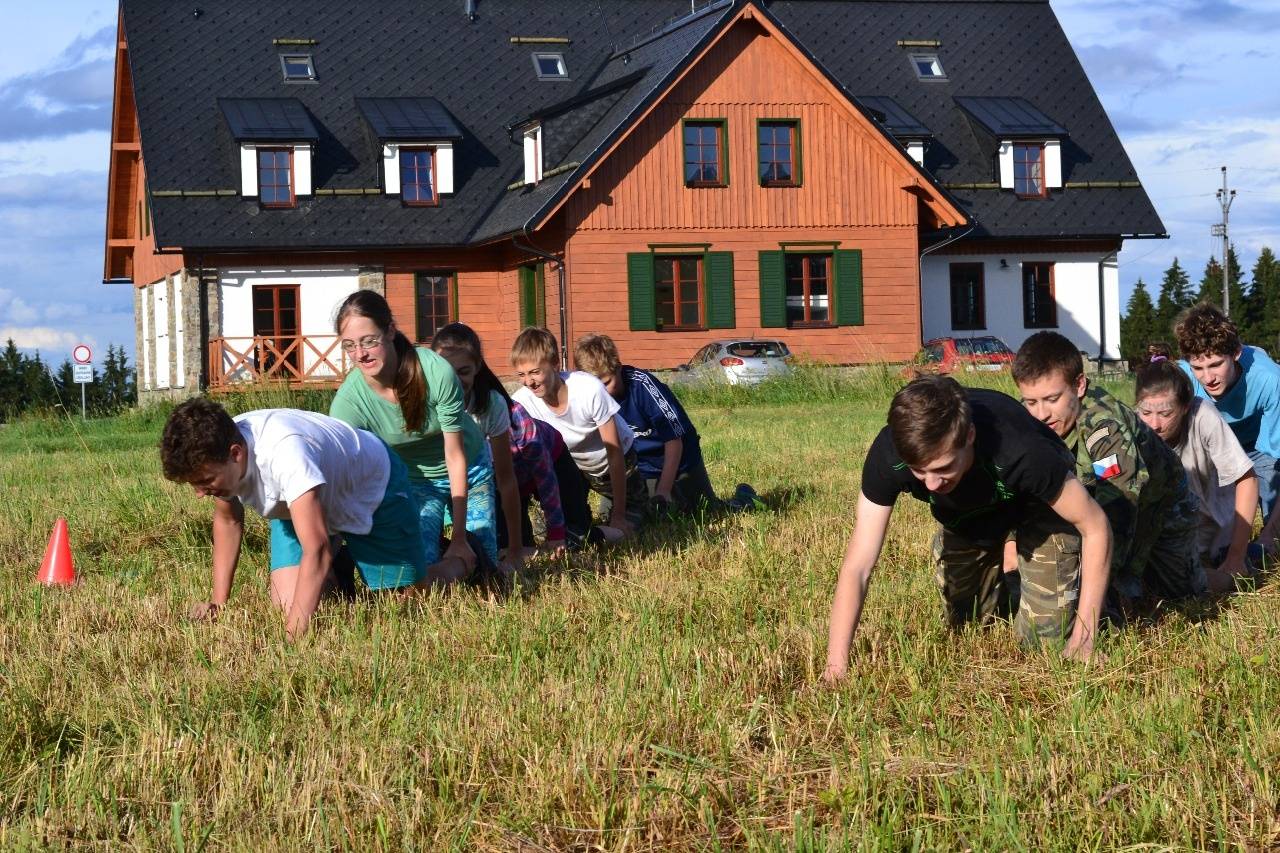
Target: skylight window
<point>297,67</point>
<point>550,66</point>
<point>927,66</point>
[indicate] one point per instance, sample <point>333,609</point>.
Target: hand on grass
<point>461,549</point>
<point>618,521</point>
<point>835,671</point>
<point>1080,645</point>
<point>554,548</point>
<point>203,611</point>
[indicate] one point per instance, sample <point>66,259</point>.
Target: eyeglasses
<point>366,343</point>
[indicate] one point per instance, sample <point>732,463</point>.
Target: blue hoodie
<point>656,417</point>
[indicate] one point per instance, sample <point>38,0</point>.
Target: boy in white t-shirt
<point>584,414</point>
<point>316,479</point>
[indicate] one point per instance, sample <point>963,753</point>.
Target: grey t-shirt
<point>1214,460</point>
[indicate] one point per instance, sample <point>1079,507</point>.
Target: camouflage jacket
<point>1134,476</point>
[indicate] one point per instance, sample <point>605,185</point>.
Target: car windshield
<point>981,346</point>
<point>758,349</point>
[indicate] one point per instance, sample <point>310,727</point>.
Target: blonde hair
<point>537,345</point>
<point>597,355</point>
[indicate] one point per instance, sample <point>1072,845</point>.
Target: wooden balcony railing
<point>311,360</point>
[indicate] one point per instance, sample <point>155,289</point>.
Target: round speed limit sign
<point>82,354</point>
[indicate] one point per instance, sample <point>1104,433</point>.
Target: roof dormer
<point>1029,143</point>
<point>532,138</point>
<point>276,139</point>
<point>417,138</point>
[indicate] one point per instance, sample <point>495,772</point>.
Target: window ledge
<point>775,184</point>
<point>826,324</point>
<point>704,185</point>
<point>681,329</point>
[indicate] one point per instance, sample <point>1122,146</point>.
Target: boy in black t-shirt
<point>986,467</point>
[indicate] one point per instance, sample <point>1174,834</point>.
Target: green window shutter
<point>528,295</point>
<point>719,289</point>
<point>848,265</point>
<point>540,296</point>
<point>453,293</point>
<point>773,290</point>
<point>640,292</point>
<point>799,154</point>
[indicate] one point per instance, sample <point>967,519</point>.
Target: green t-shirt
<point>423,451</point>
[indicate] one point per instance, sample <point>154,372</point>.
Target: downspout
<point>920,268</point>
<point>1102,306</point>
<point>528,246</point>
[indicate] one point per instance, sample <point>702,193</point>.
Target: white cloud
<point>14,309</point>
<point>40,337</point>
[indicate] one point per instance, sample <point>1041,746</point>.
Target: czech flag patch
<point>1105,469</point>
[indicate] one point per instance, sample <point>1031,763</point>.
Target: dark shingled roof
<point>622,53</point>
<point>267,120</point>
<point>408,119</point>
<point>1011,118</point>
<point>893,117</point>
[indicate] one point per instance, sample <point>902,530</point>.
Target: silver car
<point>739,361</point>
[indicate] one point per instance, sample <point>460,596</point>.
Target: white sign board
<point>82,372</point>
<point>82,354</point>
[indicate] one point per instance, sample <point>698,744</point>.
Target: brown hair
<point>1162,377</point>
<point>198,433</point>
<point>597,355</point>
<point>929,417</point>
<point>537,345</point>
<point>411,383</point>
<point>459,337</point>
<point>1042,354</point>
<point>1204,330</point>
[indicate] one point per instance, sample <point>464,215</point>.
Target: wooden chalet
<point>849,176</point>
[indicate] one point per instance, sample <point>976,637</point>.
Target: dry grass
<point>668,701</point>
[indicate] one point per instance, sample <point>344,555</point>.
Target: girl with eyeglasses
<point>410,398</point>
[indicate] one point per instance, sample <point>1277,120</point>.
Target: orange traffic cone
<point>57,568</point>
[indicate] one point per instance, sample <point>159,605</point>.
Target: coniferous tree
<point>40,391</point>
<point>1211,285</point>
<point>1265,293</point>
<point>1175,297</point>
<point>1138,326</point>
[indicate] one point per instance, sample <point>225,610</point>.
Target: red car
<point>952,355</point>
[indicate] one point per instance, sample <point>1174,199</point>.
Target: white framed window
<point>394,167</point>
<point>550,66</point>
<point>1017,175</point>
<point>297,67</point>
<point>533,154</point>
<point>250,167</point>
<point>927,66</point>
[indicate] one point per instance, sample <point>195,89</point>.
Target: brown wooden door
<point>276,319</point>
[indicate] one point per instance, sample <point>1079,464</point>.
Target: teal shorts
<point>389,556</point>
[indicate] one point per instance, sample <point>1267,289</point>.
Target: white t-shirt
<point>589,407</point>
<point>1214,460</point>
<point>292,452</point>
<point>496,420</point>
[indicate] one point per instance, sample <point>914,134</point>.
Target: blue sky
<point>1183,80</point>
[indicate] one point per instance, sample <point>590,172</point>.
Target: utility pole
<point>1225,197</point>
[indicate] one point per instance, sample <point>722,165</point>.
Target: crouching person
<point>987,469</point>
<point>317,480</point>
<point>1133,475</point>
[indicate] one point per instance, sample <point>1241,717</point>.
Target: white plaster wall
<point>302,170</point>
<point>916,150</point>
<point>179,344</point>
<point>444,169</point>
<point>320,292</point>
<point>145,305</point>
<point>1075,288</point>
<point>161,317</point>
<point>533,155</point>
<point>391,168</point>
<point>248,171</point>
<point>1006,165</point>
<point>1053,164</point>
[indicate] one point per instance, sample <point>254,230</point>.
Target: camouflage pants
<point>974,587</point>
<point>1164,561</point>
<point>637,491</point>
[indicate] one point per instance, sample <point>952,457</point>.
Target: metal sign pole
<point>82,415</point>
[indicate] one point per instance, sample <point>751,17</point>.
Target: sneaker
<point>744,498</point>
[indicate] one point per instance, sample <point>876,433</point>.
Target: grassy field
<point>661,696</point>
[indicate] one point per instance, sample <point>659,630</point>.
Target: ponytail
<point>411,384</point>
